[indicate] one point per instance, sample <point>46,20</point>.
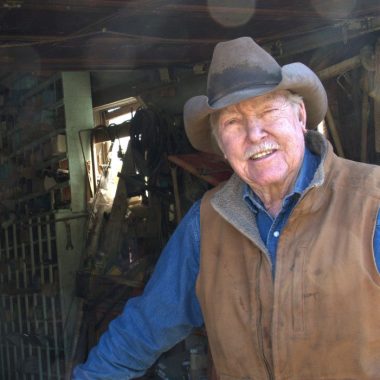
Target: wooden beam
<point>340,68</point>
<point>315,39</point>
<point>107,37</point>
<point>125,43</point>
<point>70,64</point>
<point>86,6</point>
<point>29,38</point>
<point>270,12</point>
<point>275,13</point>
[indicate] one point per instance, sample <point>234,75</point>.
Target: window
<point>109,152</point>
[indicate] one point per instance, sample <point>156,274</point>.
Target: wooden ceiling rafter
<point>260,13</point>
<point>87,6</point>
<point>118,12</point>
<point>117,39</point>
<point>352,27</point>
<point>280,48</point>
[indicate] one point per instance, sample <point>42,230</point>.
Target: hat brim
<point>296,77</point>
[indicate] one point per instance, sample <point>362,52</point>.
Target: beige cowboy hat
<point>241,69</point>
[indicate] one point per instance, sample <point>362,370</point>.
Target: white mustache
<point>264,146</point>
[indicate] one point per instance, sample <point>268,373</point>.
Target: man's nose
<point>255,129</point>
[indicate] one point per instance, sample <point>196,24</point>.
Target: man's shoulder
<point>355,166</point>
<point>358,174</point>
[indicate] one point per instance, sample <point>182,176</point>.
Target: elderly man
<point>281,262</point>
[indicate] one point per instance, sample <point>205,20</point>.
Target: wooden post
<point>111,243</point>
<point>173,170</point>
<point>334,133</point>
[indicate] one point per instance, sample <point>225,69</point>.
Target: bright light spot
<point>321,128</point>
<point>116,164</point>
<point>120,119</point>
<point>119,147</point>
<point>334,9</point>
<point>231,13</point>
<point>113,109</point>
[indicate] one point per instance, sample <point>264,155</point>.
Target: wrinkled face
<point>263,139</point>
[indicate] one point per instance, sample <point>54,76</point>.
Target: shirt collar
<point>309,166</point>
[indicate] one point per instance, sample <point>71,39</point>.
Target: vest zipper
<point>259,321</point>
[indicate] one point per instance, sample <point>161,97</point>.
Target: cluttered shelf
<point>39,86</point>
<point>33,195</point>
<point>58,147</point>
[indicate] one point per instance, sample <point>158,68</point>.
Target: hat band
<point>247,92</point>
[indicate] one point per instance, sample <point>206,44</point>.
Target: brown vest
<point>320,317</point>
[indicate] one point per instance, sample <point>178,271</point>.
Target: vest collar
<point>229,202</point>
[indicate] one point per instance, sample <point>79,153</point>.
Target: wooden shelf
<point>40,87</point>
<point>206,166</point>
<point>38,141</point>
<point>59,185</point>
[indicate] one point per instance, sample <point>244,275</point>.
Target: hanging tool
<point>69,242</point>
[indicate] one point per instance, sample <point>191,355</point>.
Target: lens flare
<point>334,9</point>
<point>230,13</point>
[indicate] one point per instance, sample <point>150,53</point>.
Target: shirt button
<point>276,234</point>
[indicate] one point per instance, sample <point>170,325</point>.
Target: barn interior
<point>96,171</point>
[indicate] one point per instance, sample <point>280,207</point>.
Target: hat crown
<point>240,70</point>
<point>238,65</point>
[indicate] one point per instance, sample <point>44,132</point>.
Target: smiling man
<point>263,140</point>
<point>280,262</point>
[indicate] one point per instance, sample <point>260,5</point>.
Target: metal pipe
<point>11,310</point>
<point>17,274</point>
<point>26,299</point>
<point>2,327</point>
<point>35,298</point>
<point>5,326</point>
<point>43,296</point>
<point>50,240</point>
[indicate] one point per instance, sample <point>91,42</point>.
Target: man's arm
<point>154,322</point>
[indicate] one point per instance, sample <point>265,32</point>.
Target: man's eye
<point>231,121</point>
<point>269,111</point>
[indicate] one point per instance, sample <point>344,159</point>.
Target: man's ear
<point>302,115</point>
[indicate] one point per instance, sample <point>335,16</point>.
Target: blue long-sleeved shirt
<point>168,309</point>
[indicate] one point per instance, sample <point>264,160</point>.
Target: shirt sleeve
<point>376,242</point>
<point>162,316</point>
